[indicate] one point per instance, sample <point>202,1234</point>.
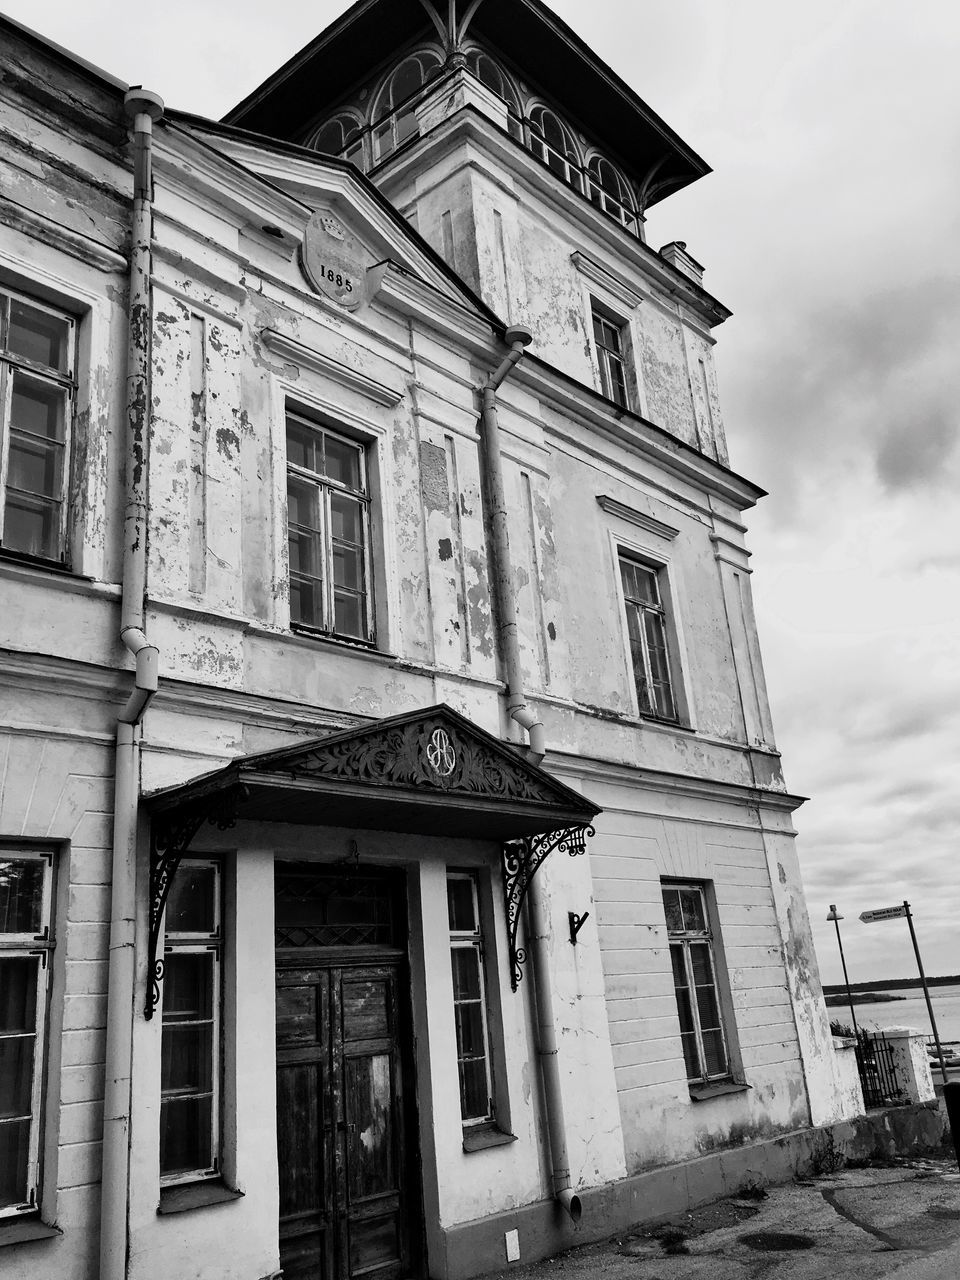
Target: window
<point>328,522</point>
<point>695,982</point>
<point>36,398</point>
<point>646,628</point>
<point>395,117</point>
<point>340,136</point>
<point>488,73</point>
<point>25,946</point>
<point>551,141</point>
<point>608,189</point>
<point>609,346</point>
<point>190,1036</point>
<point>469,999</point>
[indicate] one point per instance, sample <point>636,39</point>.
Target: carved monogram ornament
<point>428,752</point>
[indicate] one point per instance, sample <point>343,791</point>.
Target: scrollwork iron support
<point>520,861</point>
<point>170,838</point>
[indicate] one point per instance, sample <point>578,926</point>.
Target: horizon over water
<point>909,1009</point>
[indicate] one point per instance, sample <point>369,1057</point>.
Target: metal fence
<point>878,1072</point>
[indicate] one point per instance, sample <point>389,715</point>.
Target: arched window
<point>488,73</point>
<point>551,141</point>
<point>610,191</point>
<point>394,117</point>
<point>341,136</point>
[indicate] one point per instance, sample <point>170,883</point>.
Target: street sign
<point>884,913</point>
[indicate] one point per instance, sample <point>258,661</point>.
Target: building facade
<point>395,860</point>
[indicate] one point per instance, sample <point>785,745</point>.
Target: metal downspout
<point>518,710</point>
<point>143,108</point>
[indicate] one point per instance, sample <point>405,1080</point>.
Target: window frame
<point>463,940</point>
<point>384,123</point>
<point>26,944</point>
<point>326,486</point>
<point>66,382</point>
<point>608,359</point>
<point>200,942</point>
<point>670,638</point>
<point>685,938</point>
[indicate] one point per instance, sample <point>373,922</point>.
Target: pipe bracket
<point>519,863</point>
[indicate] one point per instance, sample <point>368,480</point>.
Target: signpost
<point>896,913</point>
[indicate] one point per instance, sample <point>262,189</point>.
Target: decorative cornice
<point>57,236</point>
<point>306,358</point>
<point>614,284</point>
<point>392,285</point>
<point>639,518</point>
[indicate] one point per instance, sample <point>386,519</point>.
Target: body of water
<point>910,1011</point>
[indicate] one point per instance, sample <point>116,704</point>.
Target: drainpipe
<point>518,710</point>
<point>143,109</point>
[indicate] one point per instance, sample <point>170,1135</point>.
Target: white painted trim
<point>307,358</point>
<point>633,516</point>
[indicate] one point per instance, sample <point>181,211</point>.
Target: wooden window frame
<point>613,361</point>
<point>472,940</point>
<point>327,486</point>
<point>37,945</point>
<point>684,940</point>
<point>657,609</point>
<point>66,382</point>
<point>204,942</point>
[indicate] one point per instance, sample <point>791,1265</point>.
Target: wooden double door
<point>349,1195</point>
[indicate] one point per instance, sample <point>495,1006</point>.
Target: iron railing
<point>879,1079</point>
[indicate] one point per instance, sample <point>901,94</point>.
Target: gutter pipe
<point>143,109</point>
<point>517,708</point>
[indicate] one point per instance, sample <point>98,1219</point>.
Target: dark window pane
<point>187,985</point>
<point>473,1089</point>
<point>21,895</point>
<point>37,336</point>
<point>38,408</point>
<point>671,908</point>
<point>190,903</point>
<point>715,1059</point>
<point>187,1058</point>
<point>32,525</point>
<point>16,1076</point>
<point>348,615</point>
<point>303,446</point>
<point>306,603</point>
<point>679,967</point>
<point>342,461</point>
<point>14,1153</point>
<point>470,1041</point>
<point>691,1056</point>
<point>466,973</point>
<point>303,505</point>
<point>18,994</point>
<point>700,963</point>
<point>460,905</point>
<point>346,519</point>
<point>35,466</point>
<point>692,902</point>
<point>347,567</point>
<point>185,1134</point>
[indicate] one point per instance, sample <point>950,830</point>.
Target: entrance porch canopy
<point>428,772</point>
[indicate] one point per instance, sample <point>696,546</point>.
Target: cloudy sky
<point>831,226</point>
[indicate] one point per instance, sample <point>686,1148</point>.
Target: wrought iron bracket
<point>520,861</point>
<point>576,923</point>
<point>170,838</point>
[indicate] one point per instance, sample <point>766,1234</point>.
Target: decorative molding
<point>195,304</point>
<point>633,516</point>
<point>306,358</point>
<point>55,235</point>
<point>170,837</point>
<point>519,863</point>
<point>719,541</point>
<point>598,274</point>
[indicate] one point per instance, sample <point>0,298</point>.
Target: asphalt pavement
<point>897,1220</point>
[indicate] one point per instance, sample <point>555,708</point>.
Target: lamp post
<point>836,917</point>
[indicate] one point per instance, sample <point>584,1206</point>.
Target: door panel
<point>340,1122</point>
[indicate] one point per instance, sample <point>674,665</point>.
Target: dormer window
<point>341,136</point>
<point>551,140</point>
<point>395,117</point>
<point>610,191</point>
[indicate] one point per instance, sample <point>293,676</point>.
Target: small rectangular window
<point>36,409</point>
<point>611,360</point>
<point>25,946</point>
<point>647,631</point>
<point>469,998</point>
<point>695,982</point>
<point>190,1073</point>
<point>329,536</point>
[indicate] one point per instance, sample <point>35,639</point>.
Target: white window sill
<point>195,1195</point>
<point>22,1230</point>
